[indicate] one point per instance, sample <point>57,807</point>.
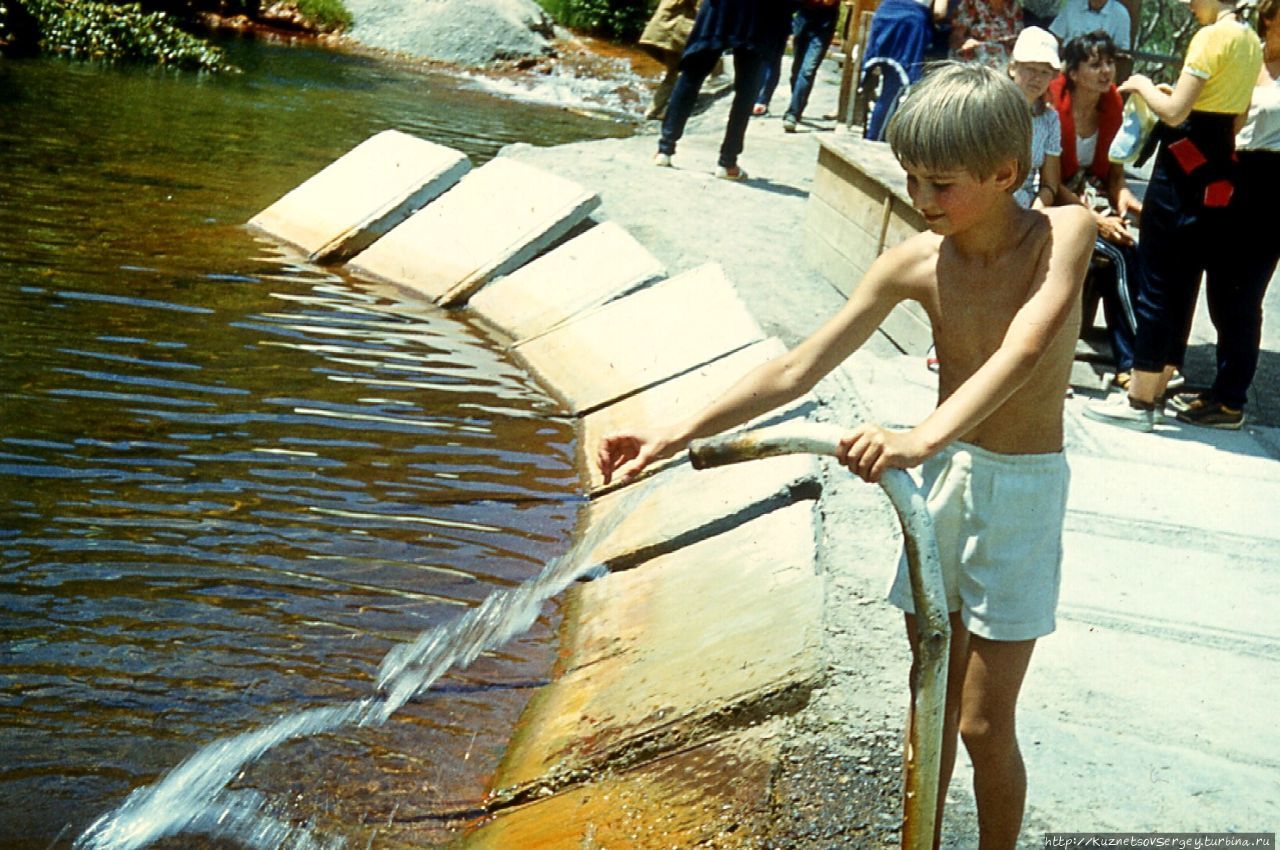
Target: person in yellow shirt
<point>1185,231</point>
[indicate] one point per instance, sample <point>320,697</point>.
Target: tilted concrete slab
<point>685,505</point>
<point>589,269</point>
<point>647,337</point>
<point>714,635</point>
<point>362,195</point>
<point>495,220</point>
<point>679,800</point>
<point>673,400</point>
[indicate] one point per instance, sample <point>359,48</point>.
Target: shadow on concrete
<point>766,185</point>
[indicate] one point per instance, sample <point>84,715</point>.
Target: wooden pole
<point>923,759</point>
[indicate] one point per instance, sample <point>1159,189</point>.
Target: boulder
<point>461,32</point>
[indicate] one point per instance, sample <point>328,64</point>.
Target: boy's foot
<point>662,160</point>
<point>1116,410</point>
<point>1208,413</point>
<point>788,124</point>
<point>731,172</point>
<point>1183,401</point>
<point>1176,382</point>
<point>759,109</point>
<point>1122,380</point>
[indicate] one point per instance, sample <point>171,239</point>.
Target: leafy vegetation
<point>326,15</point>
<point>85,29</point>
<point>618,19</point>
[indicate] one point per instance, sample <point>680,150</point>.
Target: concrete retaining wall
<point>675,666</point>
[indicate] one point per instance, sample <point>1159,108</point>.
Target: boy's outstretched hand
<point>626,455</point>
<point>869,450</point>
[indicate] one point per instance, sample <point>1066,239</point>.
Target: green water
<point>229,481</point>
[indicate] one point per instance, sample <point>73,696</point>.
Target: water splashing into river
<point>194,796</point>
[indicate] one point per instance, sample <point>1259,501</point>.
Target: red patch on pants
<point>1187,154</point>
<point>1218,193</point>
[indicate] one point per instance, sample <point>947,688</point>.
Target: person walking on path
<point>664,38</point>
<point>1001,285</point>
<point>1236,307</point>
<point>814,26</point>
<point>1186,225</point>
<point>748,28</point>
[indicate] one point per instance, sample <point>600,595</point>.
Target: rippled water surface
<point>230,481</point>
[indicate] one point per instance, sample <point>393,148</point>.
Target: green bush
<point>618,19</point>
<point>85,29</point>
<point>327,15</point>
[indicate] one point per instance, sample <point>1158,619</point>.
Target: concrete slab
<point>638,341</point>
<point>495,220</point>
<point>585,271</point>
<point>362,195</point>
<point>646,668</point>
<point>688,505</point>
<point>673,400</point>
<point>679,800</point>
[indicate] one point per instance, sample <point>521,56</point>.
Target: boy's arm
<point>869,449</point>
<point>782,379</point>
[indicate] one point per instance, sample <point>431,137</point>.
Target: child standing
<point>1001,285</point>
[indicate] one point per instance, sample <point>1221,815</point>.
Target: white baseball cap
<point>1037,45</point>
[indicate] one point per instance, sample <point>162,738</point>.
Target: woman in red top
<point>1089,108</point>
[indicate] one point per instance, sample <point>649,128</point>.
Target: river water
<point>229,480</point>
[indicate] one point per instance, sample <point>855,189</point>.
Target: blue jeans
<point>812,32</point>
<point>748,65</point>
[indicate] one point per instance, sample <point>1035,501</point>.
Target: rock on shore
<point>462,32</point>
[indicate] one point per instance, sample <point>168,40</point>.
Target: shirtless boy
<point>1001,286</point>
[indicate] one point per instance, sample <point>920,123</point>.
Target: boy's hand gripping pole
<point>933,630</point>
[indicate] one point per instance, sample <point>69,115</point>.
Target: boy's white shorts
<point>998,519</point>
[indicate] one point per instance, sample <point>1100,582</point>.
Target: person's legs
<point>662,92</point>
<point>956,664</point>
<point>993,678</point>
<point>1172,250</point>
<point>1238,276</point>
<point>747,68</point>
<point>814,31</point>
<point>694,69</point>
<point>769,77</point>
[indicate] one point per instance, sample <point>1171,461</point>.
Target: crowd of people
<point>1215,172</point>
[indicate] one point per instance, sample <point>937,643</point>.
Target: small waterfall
<point>193,797</point>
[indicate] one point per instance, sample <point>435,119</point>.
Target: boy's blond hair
<point>963,117</point>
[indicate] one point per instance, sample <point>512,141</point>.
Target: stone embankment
<point>684,666</point>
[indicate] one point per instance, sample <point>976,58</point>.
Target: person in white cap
<point>1033,65</point>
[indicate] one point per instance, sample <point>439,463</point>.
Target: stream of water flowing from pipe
<point>194,796</point>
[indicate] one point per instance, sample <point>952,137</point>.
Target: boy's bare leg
<point>993,678</point>
<point>959,658</point>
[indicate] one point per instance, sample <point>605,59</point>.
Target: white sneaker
<point>1116,410</point>
<point>662,160</point>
